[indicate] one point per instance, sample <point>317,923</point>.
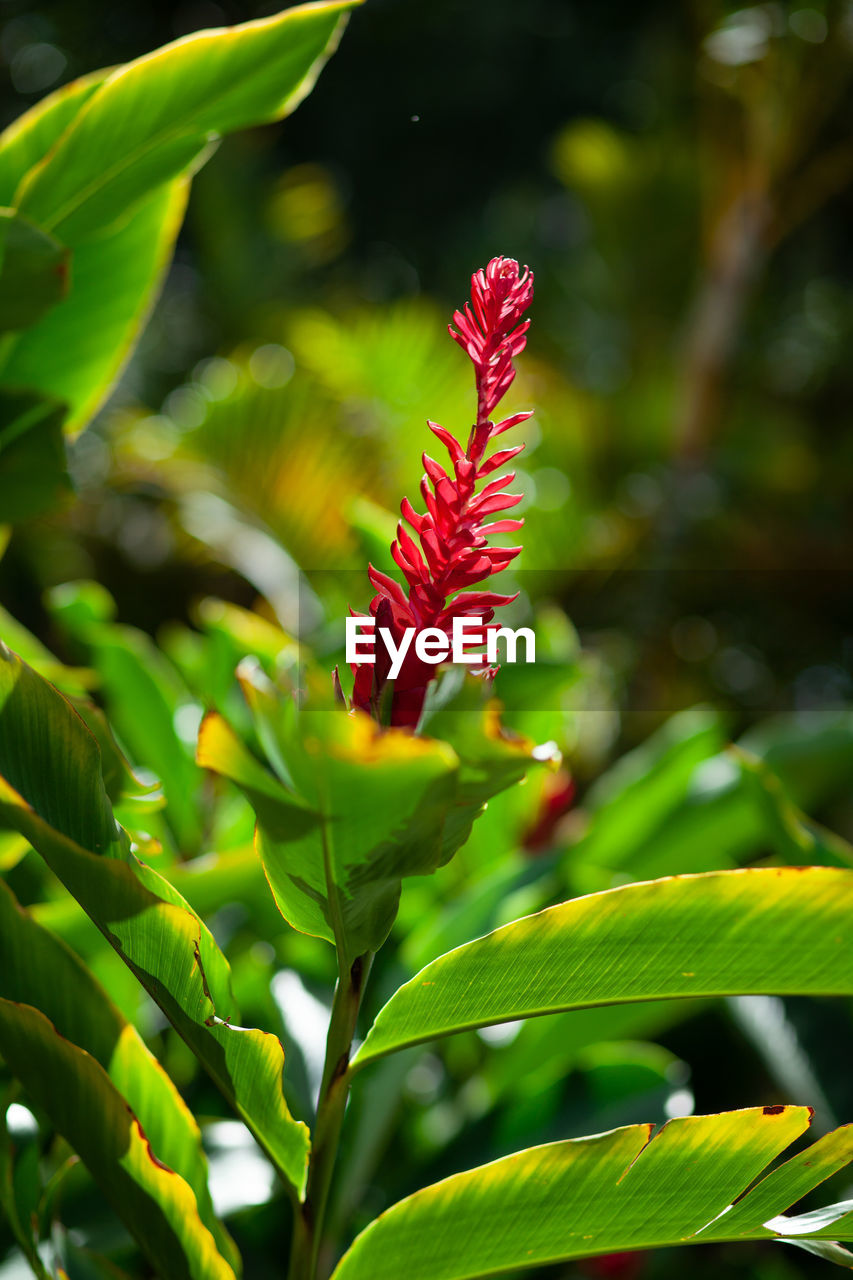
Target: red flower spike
<point>454,554</point>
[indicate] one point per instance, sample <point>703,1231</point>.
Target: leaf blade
<point>52,792</point>
<point>152,119</point>
<point>155,1202</point>
<point>621,1190</point>
<point>78,349</point>
<point>37,969</point>
<point>770,931</point>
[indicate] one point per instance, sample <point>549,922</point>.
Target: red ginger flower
<point>454,553</point>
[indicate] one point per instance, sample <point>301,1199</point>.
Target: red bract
<point>450,551</point>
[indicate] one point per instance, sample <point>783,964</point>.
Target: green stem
<point>334,1090</point>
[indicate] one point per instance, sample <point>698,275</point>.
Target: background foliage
<point>679,179</point>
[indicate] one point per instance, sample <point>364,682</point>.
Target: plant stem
<point>334,1090</point>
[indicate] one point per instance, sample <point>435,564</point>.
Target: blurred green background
<point>680,179</point>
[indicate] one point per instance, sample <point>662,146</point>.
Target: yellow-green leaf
<point>779,930</point>
<point>83,1104</point>
<point>622,1190</point>
<point>152,119</point>
<point>37,969</point>
<point>52,792</point>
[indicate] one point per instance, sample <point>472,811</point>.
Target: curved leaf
<point>37,969</point>
<point>107,159</point>
<point>78,349</point>
<point>83,1104</point>
<point>52,792</point>
<point>28,139</point>
<point>616,1191</point>
<point>142,694</point>
<point>154,118</point>
<point>352,808</point>
<point>364,809</point>
<point>777,931</point>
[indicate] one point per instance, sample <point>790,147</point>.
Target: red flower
<point>453,533</point>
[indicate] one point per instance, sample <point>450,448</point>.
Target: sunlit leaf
<point>28,139</point>
<point>363,808</point>
<point>614,1192</point>
<point>37,969</point>
<point>759,931</point>
<point>86,1108</point>
<point>107,160</point>
<point>52,792</point>
<point>78,349</point>
<point>151,120</point>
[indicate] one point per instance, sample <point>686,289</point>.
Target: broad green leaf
<point>33,271</point>
<point>78,349</point>
<point>780,930</point>
<point>86,1108</point>
<point>28,139</point>
<point>108,158</point>
<point>37,969</point>
<point>545,1050</point>
<point>33,475</point>
<point>353,808</point>
<point>617,1191</point>
<point>52,792</point>
<point>154,118</point>
<point>362,808</point>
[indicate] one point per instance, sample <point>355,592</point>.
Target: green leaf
<point>28,139</point>
<point>155,118</point>
<point>37,969</point>
<point>52,792</point>
<point>69,679</point>
<point>33,271</point>
<point>621,1190</point>
<point>33,475</point>
<point>354,809</point>
<point>107,159</point>
<point>77,351</point>
<point>759,931</point>
<point>637,794</point>
<point>712,818</point>
<point>86,1108</point>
